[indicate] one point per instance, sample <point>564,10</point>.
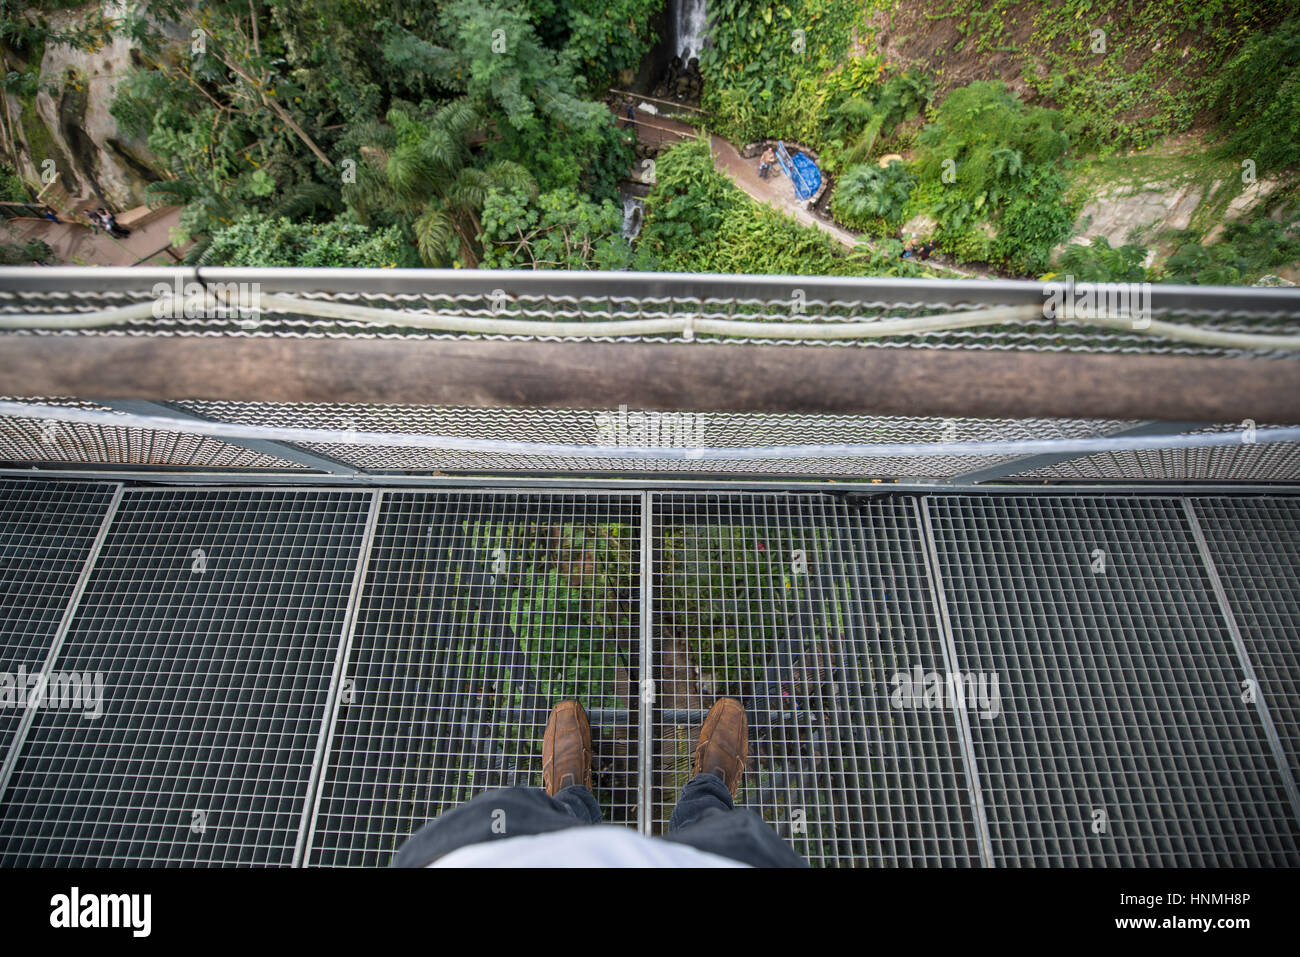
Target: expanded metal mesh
<point>1255,546</point>
<point>1119,734</point>
<point>44,440</point>
<point>480,613</point>
<point>46,532</point>
<point>213,618</point>
<point>614,427</point>
<point>596,296</point>
<point>806,610</point>
<point>1241,461</point>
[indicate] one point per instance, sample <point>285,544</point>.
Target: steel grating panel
<point>214,619</point>
<point>1120,736</point>
<point>46,533</point>
<point>480,612</point>
<point>614,427</point>
<point>808,610</point>
<point>42,440</point>
<point>475,610</point>
<point>1255,546</point>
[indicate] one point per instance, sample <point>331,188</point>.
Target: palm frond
<point>433,236</point>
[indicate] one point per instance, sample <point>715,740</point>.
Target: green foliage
<point>766,71</point>
<point>1006,202</point>
<point>1102,262</point>
<point>1257,96</point>
<point>1153,76</point>
<point>418,174</point>
<point>288,93</point>
<point>12,189</point>
<point>862,122</point>
<point>697,221</point>
<point>24,254</point>
<point>605,36</point>
<point>872,199</point>
<point>556,230</point>
<point>1247,250</point>
<point>1218,265</point>
<point>253,241</point>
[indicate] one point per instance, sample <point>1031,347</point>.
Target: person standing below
<point>111,224</point>
<point>765,162</point>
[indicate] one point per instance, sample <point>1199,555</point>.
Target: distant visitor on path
<point>110,223</point>
<point>765,162</point>
<point>528,827</point>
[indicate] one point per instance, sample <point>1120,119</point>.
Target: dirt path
<point>75,244</point>
<point>775,192</point>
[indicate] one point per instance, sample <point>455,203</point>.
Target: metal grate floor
<point>478,613</point>
<point>214,619</point>
<point>305,676</point>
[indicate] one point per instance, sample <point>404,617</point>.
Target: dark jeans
<point>705,818</point>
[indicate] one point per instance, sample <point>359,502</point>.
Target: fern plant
<point>871,198</point>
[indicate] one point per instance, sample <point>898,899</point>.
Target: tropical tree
<point>418,173</point>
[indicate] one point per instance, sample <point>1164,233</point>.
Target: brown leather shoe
<point>724,743</point>
<point>566,748</point>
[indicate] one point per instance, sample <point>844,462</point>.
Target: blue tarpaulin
<point>803,172</point>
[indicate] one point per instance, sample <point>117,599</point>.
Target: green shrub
<point>987,171</point>
<point>24,254</point>
<point>1247,250</point>
<point>697,221</point>
<point>253,241</point>
<point>872,199</point>
<point>556,230</point>
<point>1257,96</point>
<point>858,125</point>
<point>12,188</point>
<point>1102,262</point>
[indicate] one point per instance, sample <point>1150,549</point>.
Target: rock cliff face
<point>68,122</point>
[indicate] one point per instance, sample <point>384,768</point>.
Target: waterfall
<point>689,23</point>
<point>632,212</point>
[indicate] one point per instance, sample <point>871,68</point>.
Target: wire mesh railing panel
<point>212,619</point>
<point>1255,546</point>
<point>559,296</point>
<point>614,427</point>
<point>479,613</point>
<point>805,610</point>
<point>1244,461</point>
<point>46,533</point>
<point>46,440</point>
<point>1103,689</point>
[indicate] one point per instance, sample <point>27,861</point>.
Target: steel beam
<point>280,450</point>
<point>1028,463</point>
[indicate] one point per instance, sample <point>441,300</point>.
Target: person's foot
<point>566,748</point>
<point>724,743</point>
